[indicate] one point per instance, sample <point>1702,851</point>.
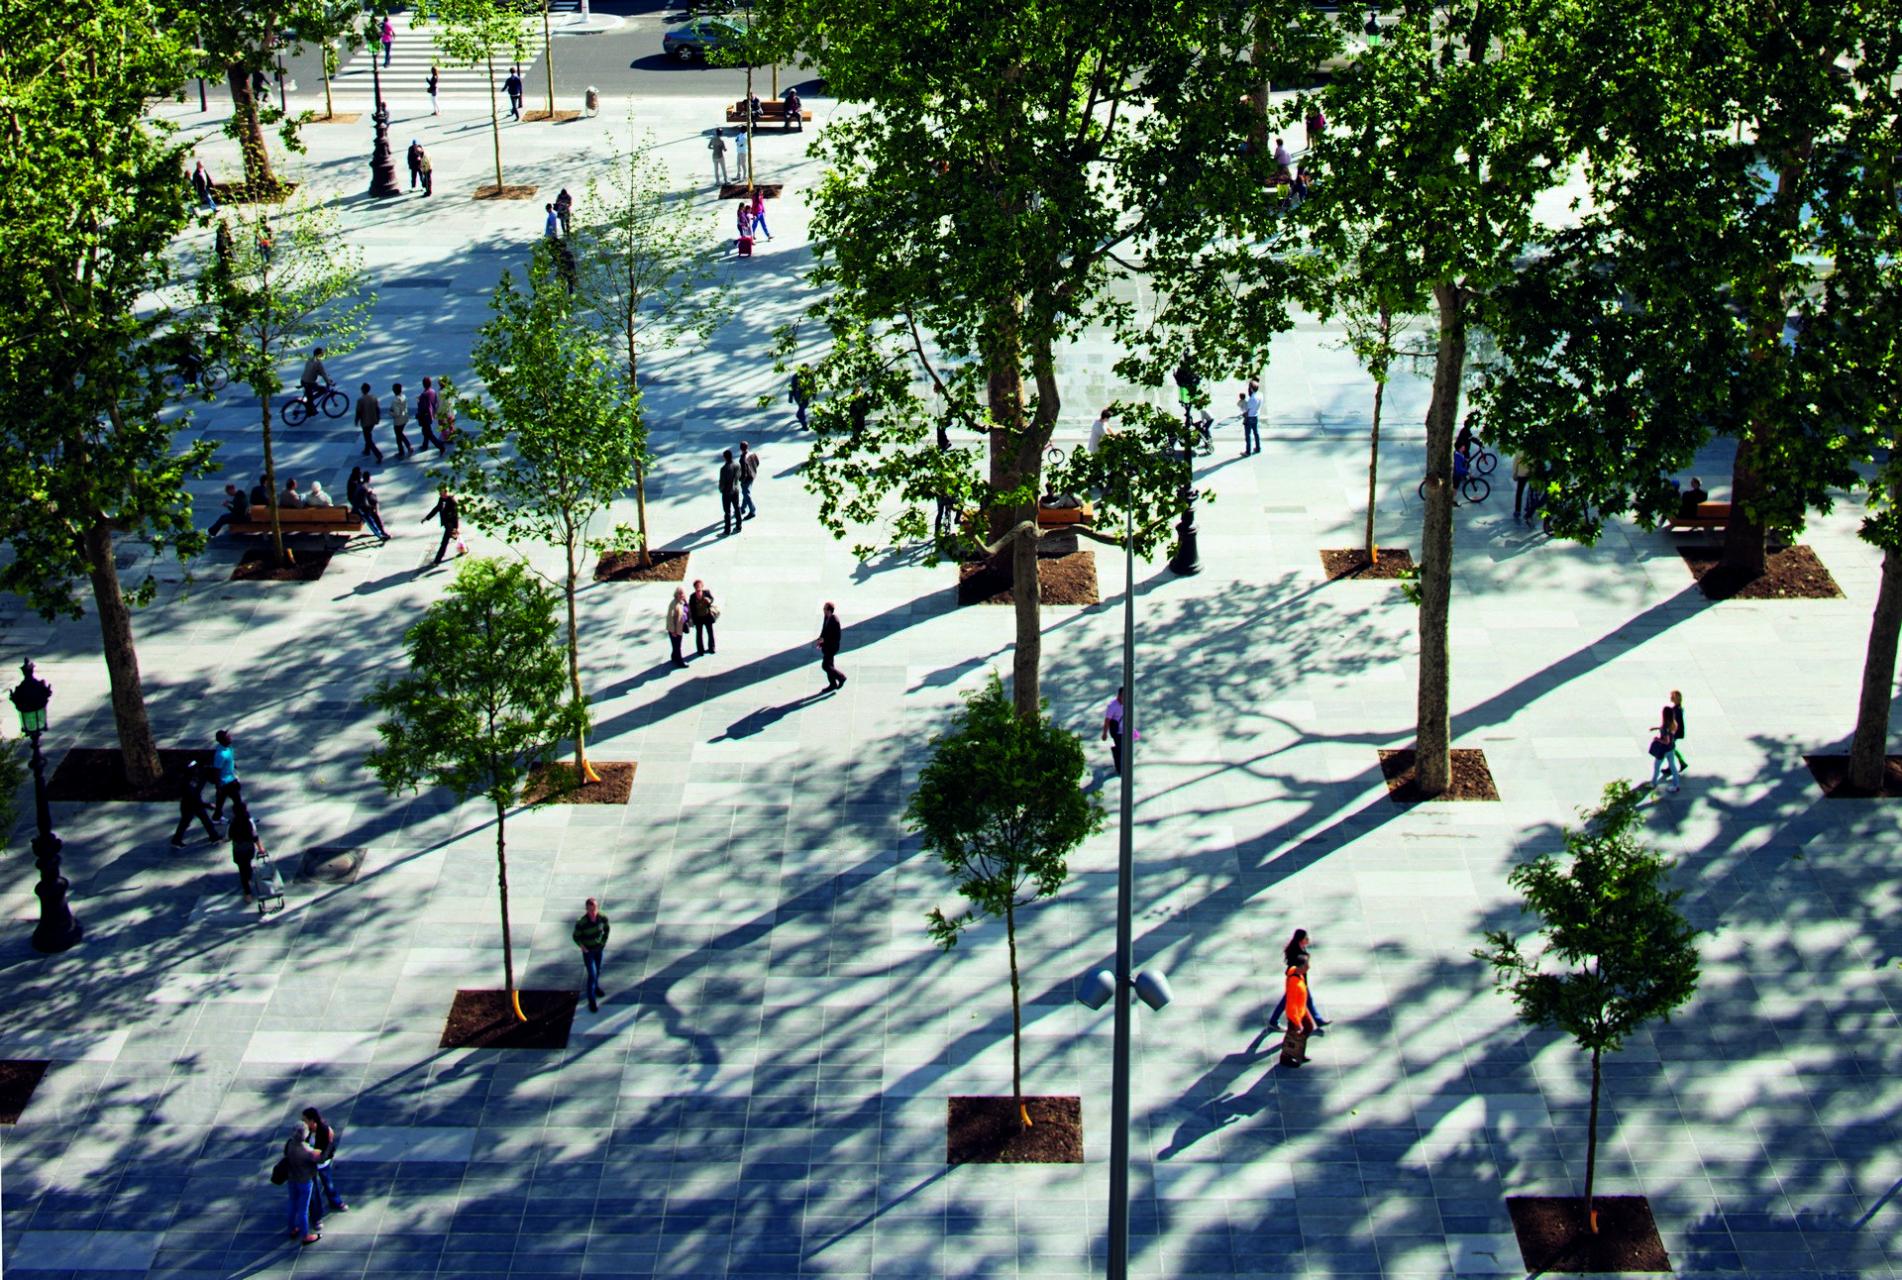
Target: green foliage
<point>486,697</point>
<point>1625,953</point>
<point>92,193</point>
<point>999,803</point>
<point>13,776</point>
<point>478,33</point>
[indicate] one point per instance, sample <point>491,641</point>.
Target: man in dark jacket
<point>445,511</point>
<point>830,636</point>
<point>730,516</point>
<point>191,807</point>
<point>513,87</point>
<point>300,1177</point>
<point>428,404</point>
<point>369,413</point>
<point>591,935</point>
<point>749,472</point>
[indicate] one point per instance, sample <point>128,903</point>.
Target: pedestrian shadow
<point>755,722</point>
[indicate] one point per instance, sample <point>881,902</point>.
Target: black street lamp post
<point>382,162</point>
<point>1188,559</point>
<point>59,927</point>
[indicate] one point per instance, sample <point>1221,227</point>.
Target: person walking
<point>235,508</point>
<point>1521,477</point>
<point>704,613</point>
<point>1250,402</point>
<point>191,807</point>
<point>513,87</point>
<point>677,623</point>
<point>427,171</point>
<point>1296,952</point>
<point>551,225</point>
<point>740,167</point>
<point>427,405</point>
<point>1674,712</point>
<point>1113,729</point>
<point>718,147</point>
<point>749,471</point>
<point>415,157</point>
<point>565,210</point>
<point>434,85</point>
<point>323,1137</point>
<point>243,833</point>
<point>445,511</point>
<point>743,220</point>
<point>224,764</point>
<point>800,392</point>
<point>1100,430</point>
<point>1664,747</point>
<point>299,1167</point>
<point>369,413</point>
<point>730,517</point>
<point>389,40</point>
<point>759,214</point>
<point>1294,1041</point>
<point>204,186</point>
<point>831,636</point>
<point>591,935</point>
<point>399,419</point>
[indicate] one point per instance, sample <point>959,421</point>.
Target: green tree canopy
<point>1001,805</point>
<point>473,33</point>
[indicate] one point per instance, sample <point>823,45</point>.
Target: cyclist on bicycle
<point>187,359</point>
<point>315,373</point>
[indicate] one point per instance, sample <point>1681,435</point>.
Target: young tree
<point>1000,803</point>
<point>292,283</point>
<point>1015,162</point>
<point>1441,141</point>
<point>555,442</point>
<point>484,703</point>
<point>645,275</point>
<point>473,32</point>
<point>92,196</point>
<point>1625,953</point>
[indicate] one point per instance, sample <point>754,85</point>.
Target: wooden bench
<point>340,522</point>
<point>1055,517</point>
<point>1709,515</point>
<point>769,112</point>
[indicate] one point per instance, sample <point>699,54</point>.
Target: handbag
<point>713,612</point>
<point>280,1173</point>
<point>1659,748</point>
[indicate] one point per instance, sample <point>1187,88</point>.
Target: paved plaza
<point>763,1092</point>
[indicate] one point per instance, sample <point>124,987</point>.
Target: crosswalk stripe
<point>412,54</point>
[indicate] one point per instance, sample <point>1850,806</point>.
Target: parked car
<point>686,43</point>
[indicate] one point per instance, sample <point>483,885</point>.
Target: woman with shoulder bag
<point>1664,748</point>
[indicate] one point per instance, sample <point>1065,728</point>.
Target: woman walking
<point>705,613</point>
<point>1664,747</point>
<point>1296,953</point>
<point>1294,1043</point>
<point>244,842</point>
<point>677,623</point>
<point>323,1136</point>
<point>1675,712</point>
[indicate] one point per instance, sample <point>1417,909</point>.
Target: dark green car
<point>694,40</point>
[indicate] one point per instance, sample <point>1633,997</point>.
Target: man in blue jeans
<point>749,471</point>
<point>1250,401</point>
<point>591,935</point>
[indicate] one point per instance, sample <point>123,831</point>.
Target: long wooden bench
<point>340,522</point>
<point>1709,515</point>
<point>769,113</point>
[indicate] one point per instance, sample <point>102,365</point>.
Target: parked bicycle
<point>297,410</point>
<point>1471,487</point>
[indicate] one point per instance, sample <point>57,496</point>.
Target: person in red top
<point>1294,1044</point>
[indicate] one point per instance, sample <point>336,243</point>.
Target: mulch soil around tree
<point>19,1077</point>
<point>489,191</point>
<point>624,566</point>
<point>1789,573</point>
<point>89,775</point>
<point>260,565</point>
<point>1394,562</point>
<point>1472,779</point>
<point>485,1020</point>
<point>1832,775</point>
<point>1067,579</point>
<point>545,116</point>
<point>242,193</point>
<point>734,190</point>
<point>341,117</point>
<point>1554,1234</point>
<point>554,783</point>
<point>987,1131</point>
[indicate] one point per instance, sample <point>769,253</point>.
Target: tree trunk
<point>584,772</point>
<point>1016,1017</point>
<point>1745,537</point>
<point>1373,447</point>
<point>548,55</point>
<point>249,131</point>
<point>495,125</point>
<point>1868,750</point>
<point>1432,746</point>
<point>330,109</point>
<point>502,884</point>
<point>644,558</point>
<point>270,484</point>
<point>1591,1146</point>
<point>141,755</point>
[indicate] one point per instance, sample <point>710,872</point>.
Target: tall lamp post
<point>59,927</point>
<point>1188,559</point>
<point>382,163</point>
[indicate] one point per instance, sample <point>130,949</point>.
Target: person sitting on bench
<point>793,114</point>
<point>1691,499</point>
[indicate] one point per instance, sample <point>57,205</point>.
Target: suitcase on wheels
<point>746,246</point>
<point>267,886</point>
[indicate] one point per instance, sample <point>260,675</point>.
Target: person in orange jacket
<point>1294,1043</point>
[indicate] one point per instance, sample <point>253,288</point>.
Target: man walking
<point>415,156</point>
<point>749,471</point>
<point>718,148</point>
<point>551,225</point>
<point>1113,730</point>
<point>202,184</point>
<point>427,403</point>
<point>399,419</point>
<point>224,763</point>
<point>191,807</point>
<point>1250,402</point>
<point>591,935</point>
<point>369,413</point>
<point>831,634</point>
<point>445,510</point>
<point>730,516</point>
<point>801,391</point>
<point>513,87</point>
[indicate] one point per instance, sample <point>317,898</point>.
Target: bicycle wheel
<point>213,378</point>
<point>295,412</point>
<point>335,403</point>
<point>1422,491</point>
<point>1476,489</point>
<point>1484,461</point>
